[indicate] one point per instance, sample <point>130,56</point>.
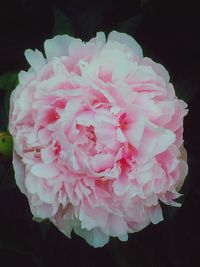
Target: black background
<point>169,32</point>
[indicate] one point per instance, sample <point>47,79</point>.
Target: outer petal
<point>155,214</point>
<point>158,68</point>
<point>95,237</point>
<point>35,59</point>
<point>126,39</point>
<point>41,209</point>
<point>19,172</point>
<point>57,46</point>
<point>100,38</point>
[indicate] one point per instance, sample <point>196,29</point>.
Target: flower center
<point>90,133</point>
<point>89,147</point>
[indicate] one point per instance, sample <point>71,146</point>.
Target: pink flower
<point>97,133</point>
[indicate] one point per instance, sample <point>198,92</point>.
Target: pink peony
<point>97,133</point>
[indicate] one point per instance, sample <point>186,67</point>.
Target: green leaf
<point>131,24</point>
<point>7,180</point>
<point>131,253</point>
<point>91,21</point>
<point>62,24</point>
<point>37,219</point>
<point>44,225</point>
<point>116,253</point>
<point>6,144</point>
<point>8,81</point>
<point>186,86</point>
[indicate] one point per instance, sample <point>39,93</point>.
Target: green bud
<point>6,145</point>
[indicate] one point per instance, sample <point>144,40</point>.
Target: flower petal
<point>126,39</point>
<point>44,170</point>
<point>35,59</point>
<point>57,46</point>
